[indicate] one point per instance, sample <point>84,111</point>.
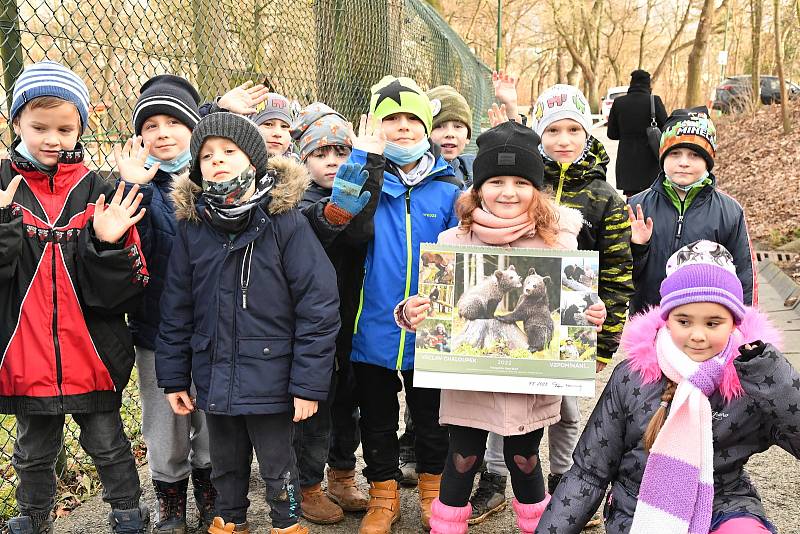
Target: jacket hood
<point>292,179</point>
<point>638,343</point>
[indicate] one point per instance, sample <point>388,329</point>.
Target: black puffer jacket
<point>711,215</point>
<point>610,450</point>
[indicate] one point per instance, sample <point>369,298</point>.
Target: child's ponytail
<point>660,416</point>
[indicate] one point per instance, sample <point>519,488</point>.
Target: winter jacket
<point>605,229</point>
<point>462,166</point>
<point>754,408</point>
<point>156,230</point>
<point>637,165</point>
<point>711,214</point>
<point>64,293</point>
<point>405,217</point>
<point>348,250</point>
<point>507,414</point>
<point>250,319</point>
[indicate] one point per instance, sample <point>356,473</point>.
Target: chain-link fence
<point>308,50</point>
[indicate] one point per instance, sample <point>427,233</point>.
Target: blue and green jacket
<point>405,217</point>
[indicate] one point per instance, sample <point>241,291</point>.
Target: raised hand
<point>505,90</point>
<point>347,200</point>
<point>131,159</point>
<point>370,135</point>
<point>497,115</point>
<point>244,98</point>
<point>112,221</point>
<point>641,230</point>
<point>7,195</point>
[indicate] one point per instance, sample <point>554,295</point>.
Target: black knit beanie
<point>238,129</point>
<point>508,149</point>
<point>167,95</point>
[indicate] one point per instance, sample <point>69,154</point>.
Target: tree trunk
<point>649,8</point>
<point>787,124</point>
<point>670,47</point>
<point>756,17</point>
<point>698,52</point>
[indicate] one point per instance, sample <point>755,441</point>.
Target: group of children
<point>270,291</point>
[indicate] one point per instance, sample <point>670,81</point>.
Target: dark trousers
<point>232,440</point>
<point>465,455</point>
<point>377,389</point>
<point>39,441</point>
<point>331,435</point>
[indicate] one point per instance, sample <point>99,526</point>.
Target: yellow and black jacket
<point>582,185</point>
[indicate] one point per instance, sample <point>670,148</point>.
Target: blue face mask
<point>22,150</point>
<point>403,155</point>
<point>687,188</point>
<point>172,166</point>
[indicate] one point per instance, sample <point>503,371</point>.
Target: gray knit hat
<point>238,129</point>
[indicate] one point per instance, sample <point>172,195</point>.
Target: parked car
<point>734,93</point>
<point>613,94</point>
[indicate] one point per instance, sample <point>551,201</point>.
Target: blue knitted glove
<point>347,200</point>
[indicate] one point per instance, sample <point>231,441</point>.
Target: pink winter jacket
<point>507,414</point>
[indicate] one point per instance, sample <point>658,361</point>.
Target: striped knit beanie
<point>690,128</point>
<point>48,78</point>
<point>702,271</point>
<point>167,95</point>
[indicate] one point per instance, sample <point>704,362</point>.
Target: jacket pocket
<point>199,342</point>
<point>263,367</point>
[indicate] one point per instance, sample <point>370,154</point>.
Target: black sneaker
<point>552,481</point>
<point>23,524</point>
<point>489,497</point>
<point>132,521</point>
<point>408,466</point>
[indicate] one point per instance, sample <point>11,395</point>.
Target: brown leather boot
<point>294,529</point>
<point>428,487</point>
<point>343,491</point>
<point>219,526</point>
<point>384,508</point>
<point>318,508</point>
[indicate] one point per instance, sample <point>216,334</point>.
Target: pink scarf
<point>493,230</point>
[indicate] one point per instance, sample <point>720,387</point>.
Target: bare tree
<point>787,125</point>
<point>648,9</point>
<point>671,46</point>
<point>756,17</point>
<point>698,52</point>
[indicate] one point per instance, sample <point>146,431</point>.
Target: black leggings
<point>465,455</point>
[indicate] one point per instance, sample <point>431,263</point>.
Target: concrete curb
<point>782,283</point>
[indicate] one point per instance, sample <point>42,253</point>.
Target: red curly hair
<point>542,212</point>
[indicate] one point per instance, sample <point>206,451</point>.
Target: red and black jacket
<point>64,344</point>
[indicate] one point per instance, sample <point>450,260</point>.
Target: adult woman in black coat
<point>637,164</point>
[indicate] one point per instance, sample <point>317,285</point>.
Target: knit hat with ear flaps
<point>400,95</point>
<point>319,126</point>
<point>561,102</point>
<point>449,105</point>
<point>167,95</point>
<point>702,271</point>
<point>690,128</point>
<point>241,130</point>
<point>508,149</point>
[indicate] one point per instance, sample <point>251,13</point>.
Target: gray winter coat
<point>610,451</point>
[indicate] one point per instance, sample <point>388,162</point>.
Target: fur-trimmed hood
<point>639,344</point>
<point>292,179</point>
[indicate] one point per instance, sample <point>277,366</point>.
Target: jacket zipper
<point>401,348</point>
<point>233,340</point>
<point>56,344</point>
<point>679,229</point>
<point>562,173</point>
<point>360,302</point>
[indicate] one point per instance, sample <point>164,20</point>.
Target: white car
<point>613,93</point>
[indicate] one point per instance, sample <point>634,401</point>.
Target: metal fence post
<point>10,48</point>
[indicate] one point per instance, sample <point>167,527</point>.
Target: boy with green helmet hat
<point>417,202</point>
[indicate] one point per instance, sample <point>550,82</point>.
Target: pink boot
<point>449,519</point>
<point>528,514</point>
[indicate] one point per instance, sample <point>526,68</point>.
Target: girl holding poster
<point>505,207</point>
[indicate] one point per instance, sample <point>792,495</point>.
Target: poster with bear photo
<point>507,320</point>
